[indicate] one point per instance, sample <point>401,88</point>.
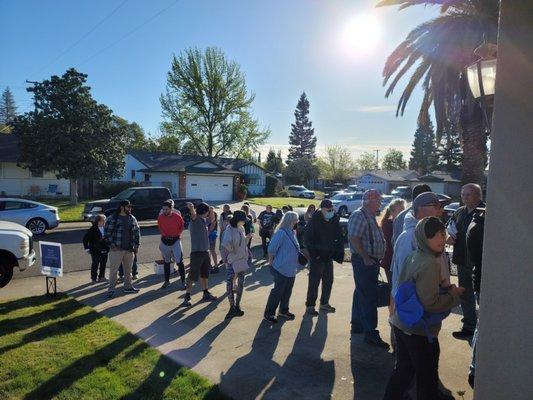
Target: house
<point>17,181</point>
<point>214,179</point>
<point>383,180</point>
<point>442,182</point>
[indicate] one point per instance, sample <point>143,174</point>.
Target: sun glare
<point>360,36</point>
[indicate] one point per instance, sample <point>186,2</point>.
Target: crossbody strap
<point>292,241</point>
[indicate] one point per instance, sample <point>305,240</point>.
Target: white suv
<point>300,191</point>
<point>346,203</point>
<point>16,250</point>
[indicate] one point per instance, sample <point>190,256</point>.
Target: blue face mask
<point>329,215</point>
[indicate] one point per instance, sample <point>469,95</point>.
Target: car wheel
<point>6,272</point>
<point>37,226</point>
<point>343,211</point>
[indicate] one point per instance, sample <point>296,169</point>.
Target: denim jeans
<point>280,293</point>
<point>365,296</point>
<point>468,301</point>
<point>319,270</point>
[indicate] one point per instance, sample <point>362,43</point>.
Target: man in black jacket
<point>323,240</point>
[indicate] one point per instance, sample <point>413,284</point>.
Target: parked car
<point>16,250</point>
<point>300,191</point>
<point>345,203</point>
<point>385,201</point>
<point>354,188</point>
<point>334,193</point>
<point>449,210</point>
<point>146,203</point>
<point>403,192</point>
<point>37,217</point>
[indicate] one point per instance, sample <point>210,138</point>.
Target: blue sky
<point>283,47</point>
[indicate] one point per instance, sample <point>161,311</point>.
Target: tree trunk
<point>73,191</point>
<point>474,143</point>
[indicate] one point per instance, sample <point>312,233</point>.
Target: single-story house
<point>214,179</point>
<point>383,180</point>
<point>18,181</point>
<point>442,182</point>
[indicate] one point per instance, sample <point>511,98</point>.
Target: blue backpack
<point>411,311</point>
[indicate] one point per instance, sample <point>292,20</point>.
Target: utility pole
<point>33,83</point>
<point>377,159</point>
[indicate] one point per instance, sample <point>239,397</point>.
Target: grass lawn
<point>61,349</point>
<point>67,212</point>
<point>278,202</point>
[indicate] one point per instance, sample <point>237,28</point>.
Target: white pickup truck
<point>16,250</point>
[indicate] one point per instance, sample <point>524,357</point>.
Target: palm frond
<point>415,79</point>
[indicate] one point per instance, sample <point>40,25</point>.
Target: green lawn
<point>67,212</point>
<point>60,349</point>
<point>278,202</point>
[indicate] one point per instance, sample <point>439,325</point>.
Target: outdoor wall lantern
<point>481,76</point>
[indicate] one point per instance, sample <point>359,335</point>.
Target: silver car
<point>37,217</point>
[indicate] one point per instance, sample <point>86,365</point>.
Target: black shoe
<point>311,311</point>
<point>238,311</point>
<point>463,334</point>
<point>186,301</point>
<point>327,308</point>
<point>132,289</point>
<point>377,342</point>
<point>231,313</point>
<point>208,297</point>
<point>271,319</point>
<point>287,315</point>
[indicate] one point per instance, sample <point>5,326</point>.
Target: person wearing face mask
<point>170,226</point>
<point>94,244</point>
<point>235,243</point>
<point>323,241</point>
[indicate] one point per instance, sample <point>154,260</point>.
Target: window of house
<point>147,177</point>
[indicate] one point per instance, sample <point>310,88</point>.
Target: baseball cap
<point>326,203</point>
<point>425,199</point>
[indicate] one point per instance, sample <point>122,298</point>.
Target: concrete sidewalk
<point>311,358</point>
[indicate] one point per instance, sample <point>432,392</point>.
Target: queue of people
<point>409,244</point>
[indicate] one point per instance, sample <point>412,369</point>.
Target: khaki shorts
<point>200,265</point>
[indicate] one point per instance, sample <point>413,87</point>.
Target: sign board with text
<point>51,259</point>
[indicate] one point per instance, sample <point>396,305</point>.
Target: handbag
<point>169,240</point>
<point>302,259</point>
<point>384,290</point>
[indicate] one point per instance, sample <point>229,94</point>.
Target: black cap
<point>326,203</point>
<point>419,189</point>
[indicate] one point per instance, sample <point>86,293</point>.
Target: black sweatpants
<point>418,358</point>
<point>319,270</point>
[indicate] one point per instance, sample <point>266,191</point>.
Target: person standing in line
<point>417,347</point>
<point>248,225</point>
<point>309,213</point>
<point>212,222</point>
<point>200,261</point>
<point>397,227</point>
<point>283,253</point>
<point>266,227</point>
<point>94,244</point>
<point>471,197</point>
<point>122,235</point>
<point>393,209</point>
<point>234,242</point>
<point>323,241</point>
<point>171,225</point>
<point>367,246</point>
<point>223,223</point>
<point>252,212</point>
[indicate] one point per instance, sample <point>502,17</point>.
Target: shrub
<point>270,185</point>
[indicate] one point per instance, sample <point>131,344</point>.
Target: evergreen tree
<point>302,138</point>
<point>8,109</point>
<point>274,163</point>
<point>423,148</point>
<point>449,155</point>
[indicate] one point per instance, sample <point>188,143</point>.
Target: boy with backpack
<point>421,305</point>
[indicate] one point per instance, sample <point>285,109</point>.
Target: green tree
<point>301,171</point>
<point>207,105</point>
<point>423,150</point>
<point>437,53</point>
<point>8,110</point>
<point>302,137</point>
<point>449,155</point>
<point>366,162</point>
<point>393,161</point>
<point>69,133</point>
<point>337,165</point>
<point>274,163</point>
<point>134,136</point>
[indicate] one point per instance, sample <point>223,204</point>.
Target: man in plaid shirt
<point>367,245</point>
<point>122,234</point>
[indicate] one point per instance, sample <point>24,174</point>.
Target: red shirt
<point>172,225</point>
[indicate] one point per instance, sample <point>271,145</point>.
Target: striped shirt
<point>365,226</point>
<point>285,249</point>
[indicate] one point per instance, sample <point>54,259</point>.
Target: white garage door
<point>209,187</point>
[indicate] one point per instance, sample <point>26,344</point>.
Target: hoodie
<point>323,238</point>
<point>234,242</point>
<point>423,267</point>
<point>405,245</point>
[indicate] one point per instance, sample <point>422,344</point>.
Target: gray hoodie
<point>423,266</point>
<point>234,242</point>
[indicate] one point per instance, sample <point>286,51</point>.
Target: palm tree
<point>436,54</point>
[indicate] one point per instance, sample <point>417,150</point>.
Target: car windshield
<point>125,194</point>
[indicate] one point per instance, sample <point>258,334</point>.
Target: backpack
<point>411,311</point>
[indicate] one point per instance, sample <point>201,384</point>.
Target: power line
<point>73,45</point>
<point>130,32</point>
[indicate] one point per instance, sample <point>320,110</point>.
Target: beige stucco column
<point>505,347</point>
